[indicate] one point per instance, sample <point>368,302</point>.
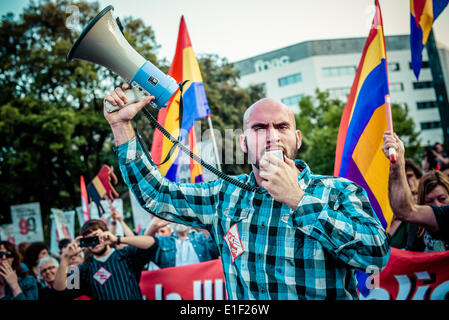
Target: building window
<point>430,125</point>
<point>396,87</point>
<point>339,71</point>
<point>422,85</point>
<point>394,66</point>
<point>293,100</point>
<point>294,78</point>
<point>425,65</point>
<point>426,105</point>
<point>339,92</point>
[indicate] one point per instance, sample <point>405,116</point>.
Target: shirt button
<point>263,225</point>
<point>259,256</point>
<point>263,290</point>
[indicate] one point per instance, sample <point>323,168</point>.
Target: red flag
<point>84,200</point>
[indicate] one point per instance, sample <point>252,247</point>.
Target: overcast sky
<point>238,29</point>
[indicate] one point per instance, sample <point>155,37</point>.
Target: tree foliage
<point>52,128</point>
<point>319,121</point>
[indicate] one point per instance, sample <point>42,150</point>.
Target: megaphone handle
<point>133,95</point>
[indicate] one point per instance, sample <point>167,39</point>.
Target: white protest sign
<point>7,232</point>
<point>141,217</point>
<point>118,205</point>
<point>62,226</point>
<point>27,222</point>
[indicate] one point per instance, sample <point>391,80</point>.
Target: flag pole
<point>391,151</point>
<point>212,134</point>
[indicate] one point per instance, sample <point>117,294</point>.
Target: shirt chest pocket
<point>235,226</point>
<point>293,239</point>
<point>236,214</point>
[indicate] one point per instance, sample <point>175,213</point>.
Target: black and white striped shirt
<point>116,278</point>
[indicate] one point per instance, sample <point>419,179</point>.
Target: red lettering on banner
<point>24,227</point>
<point>413,276</point>
<point>199,281</point>
<point>408,276</point>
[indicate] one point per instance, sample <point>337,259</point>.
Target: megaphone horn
<point>102,42</point>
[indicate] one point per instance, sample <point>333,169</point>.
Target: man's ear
<point>243,144</point>
<point>298,139</point>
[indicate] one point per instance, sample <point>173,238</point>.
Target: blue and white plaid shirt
<point>308,253</point>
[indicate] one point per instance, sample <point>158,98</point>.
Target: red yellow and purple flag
<point>359,156</point>
<point>184,67</point>
<point>422,15</point>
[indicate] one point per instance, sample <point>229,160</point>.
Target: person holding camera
<point>297,235</point>
<point>110,274</point>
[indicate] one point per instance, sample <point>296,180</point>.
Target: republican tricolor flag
<point>359,156</point>
<point>184,67</point>
<point>422,15</point>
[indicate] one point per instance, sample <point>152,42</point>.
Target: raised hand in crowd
<point>158,226</point>
<point>117,216</point>
<point>401,198</point>
<point>71,250</point>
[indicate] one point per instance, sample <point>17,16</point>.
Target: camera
<point>89,241</point>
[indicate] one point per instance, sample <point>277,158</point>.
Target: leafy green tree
<point>52,128</point>
<point>319,121</point>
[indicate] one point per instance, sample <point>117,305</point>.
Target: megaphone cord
<point>186,150</point>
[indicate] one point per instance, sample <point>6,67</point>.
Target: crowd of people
<point>29,272</point>
<point>292,235</point>
<point>429,185</point>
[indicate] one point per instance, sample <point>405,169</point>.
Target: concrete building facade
<point>289,73</point>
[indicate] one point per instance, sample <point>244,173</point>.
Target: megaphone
<point>102,42</point>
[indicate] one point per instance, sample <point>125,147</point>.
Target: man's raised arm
<point>120,121</point>
<point>401,198</point>
<point>190,204</point>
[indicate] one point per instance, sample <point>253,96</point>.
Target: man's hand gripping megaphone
<point>120,120</point>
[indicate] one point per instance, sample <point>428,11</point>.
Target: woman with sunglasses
<point>14,284</point>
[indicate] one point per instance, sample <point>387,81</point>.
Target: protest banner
<point>93,210</point>
<point>408,276</point>
<point>412,276</point>
<point>7,233</point>
<point>141,217</point>
<point>62,226</point>
<point>117,204</point>
<point>27,222</point>
<point>199,281</point>
<point>94,214</point>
